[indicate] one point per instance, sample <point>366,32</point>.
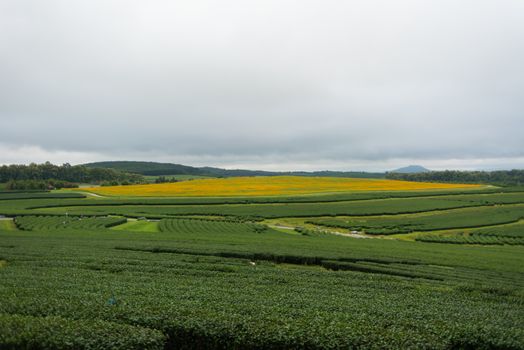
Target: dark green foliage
<point>41,185</point>
<point>64,173</point>
<point>472,239</point>
<point>65,222</point>
<point>162,179</point>
<point>502,177</point>
<point>52,333</point>
<point>37,195</point>
<point>148,168</point>
<point>375,268</point>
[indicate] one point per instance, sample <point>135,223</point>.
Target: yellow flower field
<point>267,186</point>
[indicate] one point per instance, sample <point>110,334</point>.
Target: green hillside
<point>154,168</point>
<point>148,168</point>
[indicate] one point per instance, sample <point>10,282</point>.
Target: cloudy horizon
<point>273,85</point>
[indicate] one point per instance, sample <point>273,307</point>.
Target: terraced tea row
<point>511,231</point>
<point>65,222</point>
<point>52,332</point>
<point>505,234</point>
<point>439,220</point>
<point>38,195</point>
<point>159,209</point>
<point>472,239</point>
<point>382,207</point>
<point>215,227</point>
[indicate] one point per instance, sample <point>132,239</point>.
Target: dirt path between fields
<point>7,224</point>
<point>337,233</point>
<point>92,194</point>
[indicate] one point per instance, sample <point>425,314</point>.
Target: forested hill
<point>154,168</point>
<point>501,177</point>
<point>148,168</point>
<point>65,172</point>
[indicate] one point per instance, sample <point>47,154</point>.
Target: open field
<point>268,186</point>
<point>81,272</point>
<point>138,226</point>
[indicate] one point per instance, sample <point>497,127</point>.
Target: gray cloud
<point>272,84</point>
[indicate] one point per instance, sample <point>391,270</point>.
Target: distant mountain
<point>154,168</point>
<point>411,169</point>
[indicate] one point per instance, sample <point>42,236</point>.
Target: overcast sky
<point>267,84</point>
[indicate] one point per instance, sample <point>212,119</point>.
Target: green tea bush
<point>442,220</point>
<point>66,222</point>
<point>52,333</point>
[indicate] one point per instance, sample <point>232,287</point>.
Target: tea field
<point>424,269</point>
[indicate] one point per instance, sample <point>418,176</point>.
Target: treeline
<point>502,177</point>
<point>38,185</point>
<point>164,179</point>
<point>63,174</point>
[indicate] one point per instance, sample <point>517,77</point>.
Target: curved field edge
<point>297,223</point>
<point>508,234</point>
<point>302,226</point>
<point>470,217</point>
<point>154,208</point>
<point>256,212</point>
<point>264,186</point>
